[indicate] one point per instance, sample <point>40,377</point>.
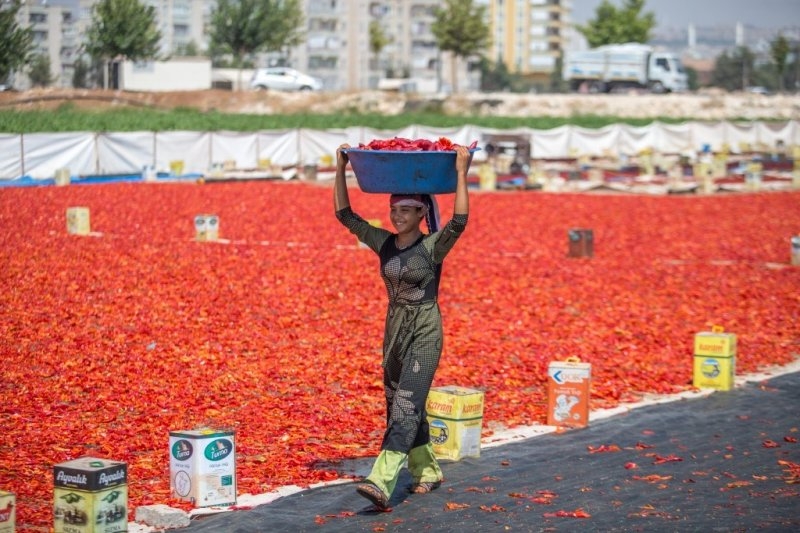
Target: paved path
<point>706,464</point>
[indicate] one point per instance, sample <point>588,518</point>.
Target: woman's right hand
<point>341,156</point>
<point>340,196</point>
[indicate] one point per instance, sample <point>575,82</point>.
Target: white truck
<point>619,66</point>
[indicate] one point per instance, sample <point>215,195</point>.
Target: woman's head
<point>407,211</point>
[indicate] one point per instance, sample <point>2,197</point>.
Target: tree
<point>460,28</point>
<point>377,40</point>
<point>16,46</point>
<point>779,50</point>
<point>80,74</point>
<point>39,71</point>
<point>613,25</point>
<point>494,75</point>
<point>692,79</point>
<point>123,29</point>
<point>190,49</point>
<point>244,27</point>
<point>733,71</point>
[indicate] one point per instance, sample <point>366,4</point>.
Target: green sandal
<point>424,487</point>
<point>371,492</point>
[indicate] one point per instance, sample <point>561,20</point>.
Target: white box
<point>206,227</point>
<point>202,467</point>
<point>8,512</point>
<point>78,221</point>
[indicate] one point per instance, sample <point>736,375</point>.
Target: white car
<point>284,79</point>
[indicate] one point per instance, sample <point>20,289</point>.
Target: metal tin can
<point>796,250</point>
<point>581,243</point>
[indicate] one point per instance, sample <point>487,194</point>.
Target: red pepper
<point>399,144</point>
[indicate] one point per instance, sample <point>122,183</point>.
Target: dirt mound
<point>707,105</point>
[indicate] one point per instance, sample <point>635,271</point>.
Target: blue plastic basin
<point>401,172</point>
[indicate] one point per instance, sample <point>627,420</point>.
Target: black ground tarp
<point>706,464</point>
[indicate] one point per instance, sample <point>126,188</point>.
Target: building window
<point>322,62</point>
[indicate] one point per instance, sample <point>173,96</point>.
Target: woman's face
<point>405,218</point>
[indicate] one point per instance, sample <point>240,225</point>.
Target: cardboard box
<point>568,389</point>
<point>455,416</point>
<point>78,222</point>
<point>8,512</point>
<point>202,467</point>
<point>206,227</point>
<point>90,495</point>
<point>714,359</point>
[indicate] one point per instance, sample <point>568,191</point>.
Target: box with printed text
<point>90,496</point>
<point>202,467</point>
<point>714,359</point>
<point>455,416</point>
<point>8,512</point>
<point>568,389</point>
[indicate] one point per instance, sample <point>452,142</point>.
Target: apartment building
<point>180,22</point>
<point>529,36</point>
<point>54,36</point>
<point>338,49</point>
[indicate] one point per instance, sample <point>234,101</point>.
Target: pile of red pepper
<point>399,144</point>
<point>111,341</point>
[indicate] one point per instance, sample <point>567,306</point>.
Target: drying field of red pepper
<point>110,341</point>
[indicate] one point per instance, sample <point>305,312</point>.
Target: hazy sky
<point>759,13</point>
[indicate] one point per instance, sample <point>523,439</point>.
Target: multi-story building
<point>529,36</point>
<point>338,48</point>
<point>181,22</point>
<point>54,37</point>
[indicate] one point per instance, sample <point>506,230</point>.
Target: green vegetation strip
<point>67,118</point>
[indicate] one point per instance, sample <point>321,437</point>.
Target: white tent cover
<point>39,155</point>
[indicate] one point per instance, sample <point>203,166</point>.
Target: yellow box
<point>714,359</point>
<point>715,343</point>
<point>176,167</point>
<point>90,495</point>
<point>78,221</point>
<point>206,227</point>
<point>712,372</point>
<point>8,512</point>
<point>455,415</point>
